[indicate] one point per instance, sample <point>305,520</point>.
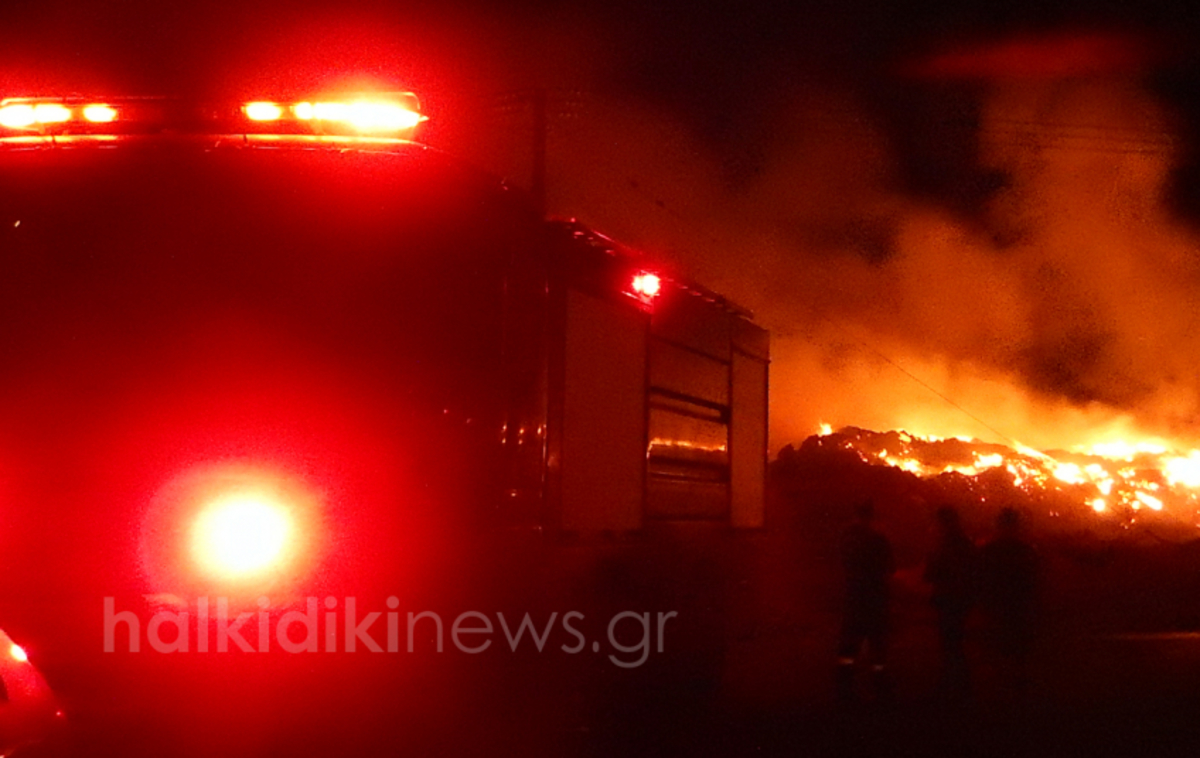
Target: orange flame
<point>1115,479</point>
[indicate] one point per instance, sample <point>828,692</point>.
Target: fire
<point>1125,450</point>
<point>1115,479</point>
<point>1069,473</point>
<point>1183,472</point>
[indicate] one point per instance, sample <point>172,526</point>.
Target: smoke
<point>1030,282</point>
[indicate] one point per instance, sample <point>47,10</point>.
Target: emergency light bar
<point>23,115</point>
<point>380,115</point>
<point>363,115</point>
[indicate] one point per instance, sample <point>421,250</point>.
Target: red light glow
<point>100,114</point>
<point>51,113</point>
<point>18,653</point>
<point>380,115</point>
<point>22,115</point>
<point>232,528</point>
<point>241,535</point>
<point>263,111</point>
<point>647,285</point>
<point>364,115</point>
<point>17,116</point>
<point>369,115</point>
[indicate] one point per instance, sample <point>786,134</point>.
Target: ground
<point>746,666</point>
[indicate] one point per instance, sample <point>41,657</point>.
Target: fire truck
<point>295,307</point>
<point>600,391</point>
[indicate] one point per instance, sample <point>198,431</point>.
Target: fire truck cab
<point>205,309</point>
<point>194,279</point>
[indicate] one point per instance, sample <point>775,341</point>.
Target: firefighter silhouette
<point>869,564</point>
<point>952,573</point>
<point>1008,593</point>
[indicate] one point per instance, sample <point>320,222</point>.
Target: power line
<point>922,382</point>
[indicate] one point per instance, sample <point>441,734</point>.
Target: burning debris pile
<point>1114,485</point>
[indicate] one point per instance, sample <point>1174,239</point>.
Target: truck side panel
<point>604,416</point>
<point>748,440</point>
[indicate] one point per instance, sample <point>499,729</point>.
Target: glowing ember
<point>1149,500</point>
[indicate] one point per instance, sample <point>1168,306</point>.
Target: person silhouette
<point>1008,593</point>
<point>952,573</point>
<point>868,564</point>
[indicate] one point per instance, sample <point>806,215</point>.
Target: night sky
<point>959,218</point>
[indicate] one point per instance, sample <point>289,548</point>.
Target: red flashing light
<point>241,535</point>
<point>17,116</point>
<point>364,114</point>
<point>232,528</point>
<point>18,653</point>
<point>51,113</point>
<point>100,114</point>
<point>262,111</point>
<point>646,285</point>
<point>25,114</point>
<point>376,115</point>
